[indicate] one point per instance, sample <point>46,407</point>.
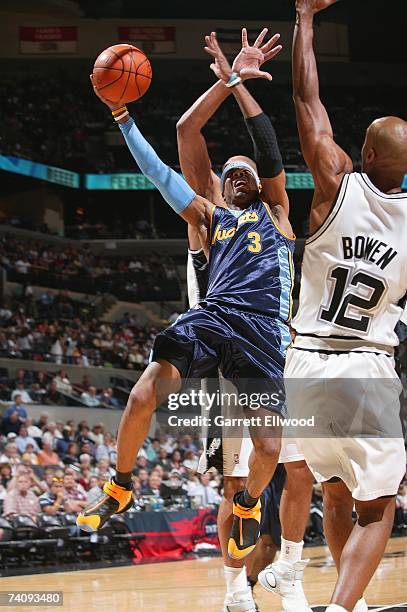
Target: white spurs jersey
<point>354,272</point>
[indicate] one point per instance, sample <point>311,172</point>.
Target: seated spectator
<point>11,424</point>
<point>163,459</point>
<point>5,473</point>
<point>108,449</point>
<point>47,456</point>
<point>106,398</point>
<point>90,397</point>
<point>23,439</point>
<point>26,470</point>
<point>11,455</point>
<point>190,461</point>
<point>97,434</point>
<point>49,475</point>
<point>53,501</point>
<point>22,500</point>
<point>85,461</point>
<point>51,434</point>
<point>17,407</point>
<point>57,351</point>
<point>85,383</point>
<point>63,383</point>
<point>103,467</point>
<point>75,496</point>
<point>174,486</point>
<point>95,486</point>
<point>143,476</point>
<point>25,396</point>
<point>84,435</point>
<point>153,450</point>
<point>53,396</point>
<point>42,421</point>
<point>176,462</point>
<point>30,456</point>
<point>85,476</point>
<point>63,443</point>
<point>33,431</point>
<point>205,491</point>
<point>71,455</point>
<point>154,484</point>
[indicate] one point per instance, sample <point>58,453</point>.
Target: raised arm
<point>192,150</point>
<point>194,209</point>
<point>326,160</point>
<point>266,150</point>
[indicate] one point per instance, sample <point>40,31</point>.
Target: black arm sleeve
<point>266,152</point>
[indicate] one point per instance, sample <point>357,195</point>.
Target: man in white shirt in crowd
<point>25,396</point>
<point>23,439</point>
<point>204,490</point>
<point>90,398</point>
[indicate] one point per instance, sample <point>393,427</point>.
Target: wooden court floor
<point>197,585</point>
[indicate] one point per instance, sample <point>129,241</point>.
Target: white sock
<point>335,608</point>
<point>236,579</point>
<point>290,551</point>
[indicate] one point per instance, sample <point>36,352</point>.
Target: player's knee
<point>372,511</point>
<point>299,476</point>
<point>140,399</point>
<point>267,449</point>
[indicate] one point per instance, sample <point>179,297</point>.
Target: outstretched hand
<point>112,105</point>
<point>248,62</point>
<point>313,6</point>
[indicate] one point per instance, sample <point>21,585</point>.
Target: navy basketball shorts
<point>270,515</point>
<point>248,348</point>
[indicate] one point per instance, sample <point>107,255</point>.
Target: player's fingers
<point>210,51</point>
<point>265,75</point>
<point>270,43</point>
<point>208,40</point>
<point>259,40</point>
<point>244,38</point>
<point>268,56</point>
<point>215,42</point>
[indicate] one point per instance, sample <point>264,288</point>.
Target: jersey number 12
<point>342,298</point>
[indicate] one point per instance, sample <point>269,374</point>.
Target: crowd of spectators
<point>56,328</point>
<point>74,133</point>
<point>150,277</point>
<point>53,389</point>
<point>60,466</point>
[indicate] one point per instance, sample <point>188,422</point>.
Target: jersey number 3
<point>344,297</point>
<point>255,242</point>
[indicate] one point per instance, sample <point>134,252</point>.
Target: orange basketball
<point>122,73</point>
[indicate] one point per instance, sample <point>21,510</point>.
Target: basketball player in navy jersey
<point>353,288</point>
<point>240,328</point>
<point>230,454</point>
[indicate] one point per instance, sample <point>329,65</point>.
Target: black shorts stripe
<point>328,352</point>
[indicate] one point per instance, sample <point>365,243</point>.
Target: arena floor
<point>198,585</point>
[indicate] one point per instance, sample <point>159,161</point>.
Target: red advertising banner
<point>48,39</point>
<point>151,39</point>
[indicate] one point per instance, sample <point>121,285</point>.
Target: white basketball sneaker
<point>285,579</point>
<point>361,606</point>
<point>240,602</point>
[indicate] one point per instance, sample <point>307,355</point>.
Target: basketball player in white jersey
<point>354,278</point>
<point>230,454</point>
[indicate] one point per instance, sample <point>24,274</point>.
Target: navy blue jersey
<point>250,262</point>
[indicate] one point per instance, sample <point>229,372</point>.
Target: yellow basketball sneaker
<point>245,529</point>
<point>114,499</point>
